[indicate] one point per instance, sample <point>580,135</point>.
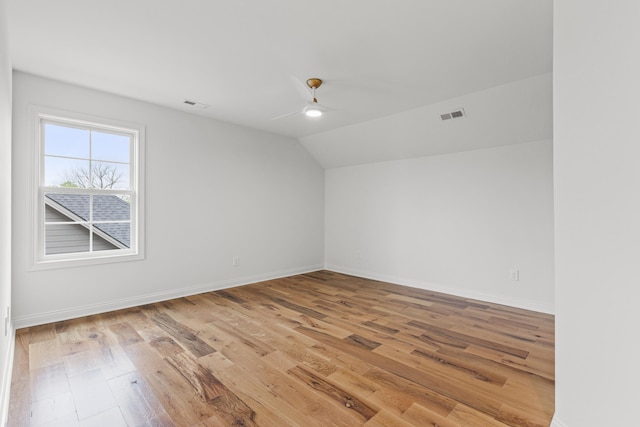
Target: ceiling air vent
<point>195,104</point>
<point>453,115</point>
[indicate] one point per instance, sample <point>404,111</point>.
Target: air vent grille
<point>195,104</point>
<point>457,114</point>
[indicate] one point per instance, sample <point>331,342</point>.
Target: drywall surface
<point>456,223</point>
<point>504,115</point>
<point>5,211</point>
<point>214,191</point>
<point>597,212</point>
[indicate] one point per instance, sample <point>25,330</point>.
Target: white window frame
<point>40,260</point>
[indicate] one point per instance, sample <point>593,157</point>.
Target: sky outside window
<point>68,150</point>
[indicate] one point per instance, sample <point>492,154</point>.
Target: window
<point>88,200</point>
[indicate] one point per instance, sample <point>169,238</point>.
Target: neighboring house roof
<point>105,208</point>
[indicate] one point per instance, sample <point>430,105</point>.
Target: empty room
<point>296,213</point>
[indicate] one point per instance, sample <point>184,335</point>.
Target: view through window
<point>88,195</point>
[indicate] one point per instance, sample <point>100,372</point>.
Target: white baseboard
<point>58,315</point>
<point>72,313</point>
<point>464,293</point>
<point>7,369</point>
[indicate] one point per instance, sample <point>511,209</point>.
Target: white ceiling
<point>377,57</point>
<point>508,114</point>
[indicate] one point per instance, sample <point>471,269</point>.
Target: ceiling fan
<point>311,108</point>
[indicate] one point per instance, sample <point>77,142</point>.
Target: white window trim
<point>40,261</point>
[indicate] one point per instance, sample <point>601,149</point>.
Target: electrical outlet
<point>236,261</point>
<point>514,275</point>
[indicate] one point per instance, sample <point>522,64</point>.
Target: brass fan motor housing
<point>314,83</point>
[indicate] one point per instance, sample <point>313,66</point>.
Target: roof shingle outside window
<point>105,208</point>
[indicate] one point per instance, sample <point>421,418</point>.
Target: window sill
<point>79,261</point>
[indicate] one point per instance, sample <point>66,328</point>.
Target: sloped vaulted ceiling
<point>382,62</point>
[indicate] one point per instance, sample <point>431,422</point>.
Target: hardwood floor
<point>319,349</point>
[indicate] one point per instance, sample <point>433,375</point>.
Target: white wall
<point>213,191</point>
<point>6,341</point>
<point>597,212</point>
<point>456,223</point>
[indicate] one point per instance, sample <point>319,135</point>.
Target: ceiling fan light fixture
<point>311,108</point>
<point>313,112</point>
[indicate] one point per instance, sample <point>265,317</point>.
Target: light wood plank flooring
<point>319,349</point>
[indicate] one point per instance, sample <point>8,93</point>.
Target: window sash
<point>135,134</point>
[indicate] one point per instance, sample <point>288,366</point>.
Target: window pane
<point>110,175</point>
<point>66,141</point>
<point>111,208</point>
<point>72,206</point>
<point>62,172</point>
<point>64,239</point>
<point>52,214</point>
<point>110,148</point>
<point>102,245</point>
<point>118,234</point>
